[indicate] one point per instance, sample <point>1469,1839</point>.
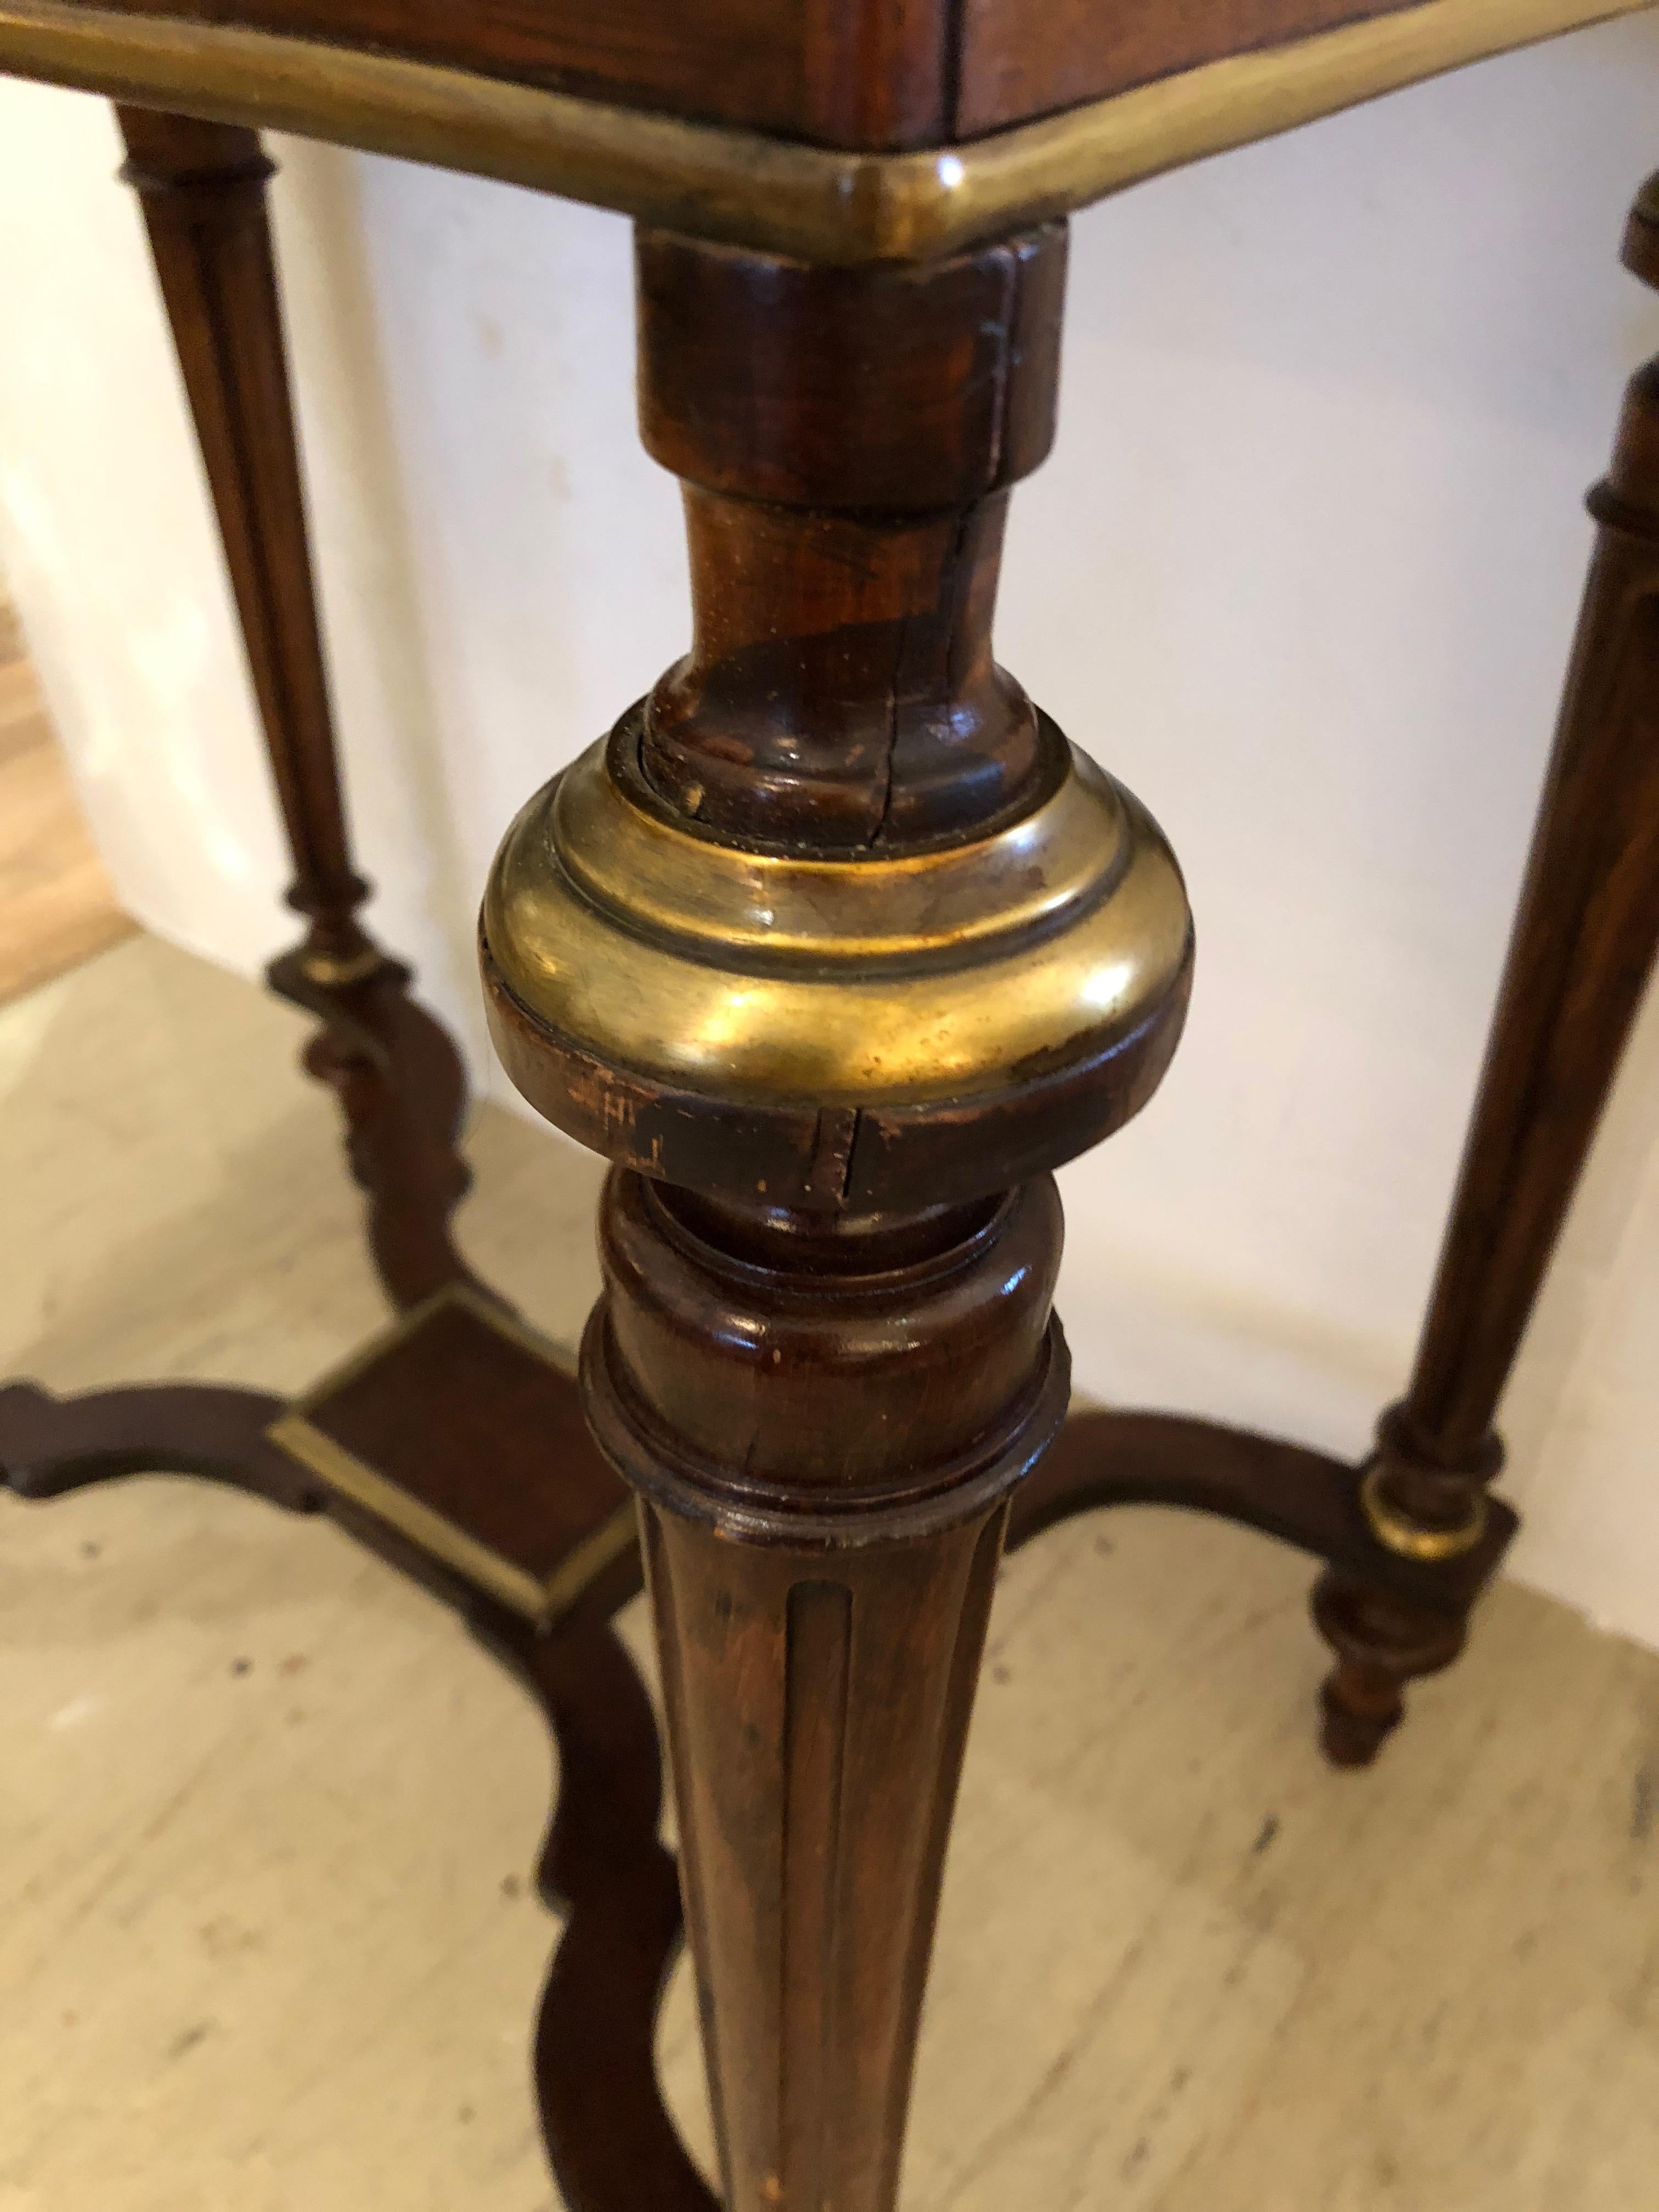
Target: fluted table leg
<point>836,948</point>
<point>398,1078</point>
<point>820,1624</point>
<point>1579,959</point>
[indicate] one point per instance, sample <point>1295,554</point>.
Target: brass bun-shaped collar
<point>651,988</point>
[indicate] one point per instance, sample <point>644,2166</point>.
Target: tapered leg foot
<point>821,1569</point>
<point>1382,1642</point>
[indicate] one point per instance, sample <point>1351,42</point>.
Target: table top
<point>837,129</point>
<point>879,74</point>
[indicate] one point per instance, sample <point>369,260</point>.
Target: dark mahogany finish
<point>203,189</point>
<point>824,1403</point>
<point>1017,62</point>
<point>601,1868</point>
<point>50,1446</point>
<point>868,73</point>
<point>475,1428</point>
<point>851,73</point>
<point>824,1425</point>
<point>832,1417</point>
<point>846,440</point>
<point>1578,963</point>
<point>395,1071</point>
<point>1298,1496</point>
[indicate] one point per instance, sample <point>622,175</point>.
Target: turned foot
<point>1381,1642</point>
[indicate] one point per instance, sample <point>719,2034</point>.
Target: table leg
<point>834,948</point>
<point>1579,959</point>
<point>818,1663</point>
<point>400,1083</point>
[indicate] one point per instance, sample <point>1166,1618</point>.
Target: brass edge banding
<point>1399,1534</point>
<point>508,1323</point>
<point>500,1318</point>
<point>588,1560</point>
<point>428,1531</point>
<point>542,1602</point>
<point>730,905</point>
<point>741,186</point>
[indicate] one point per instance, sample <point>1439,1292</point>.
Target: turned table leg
<point>834,948</point>
<point>1579,962</point>
<point>398,1078</point>
<point>202,189</point>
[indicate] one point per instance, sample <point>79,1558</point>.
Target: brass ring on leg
<point>1411,1539</point>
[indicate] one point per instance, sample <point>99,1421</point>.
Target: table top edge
<point>771,194</point>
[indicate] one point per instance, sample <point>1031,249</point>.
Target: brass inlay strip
<point>772,193</point>
<point>468,1556</point>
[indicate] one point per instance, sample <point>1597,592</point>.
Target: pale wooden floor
<point>56,905</point>
<point>266,1819</point>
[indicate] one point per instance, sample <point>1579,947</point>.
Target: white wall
<point>1302,570</point>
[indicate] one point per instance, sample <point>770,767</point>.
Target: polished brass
<point>541,1601</point>
<point>337,969</point>
<point>1399,1532</point>
<point>759,978</point>
<point>769,193</point>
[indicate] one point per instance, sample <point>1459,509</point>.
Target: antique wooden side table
<point>836,948</point>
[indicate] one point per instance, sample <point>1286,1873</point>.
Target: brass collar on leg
<point>760,978</point>
<point>1412,1540</point>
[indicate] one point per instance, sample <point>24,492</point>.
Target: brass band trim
<point>761,981</point>
<point>336,970</point>
<point>544,1602</point>
<point>778,913</point>
<point>739,185</point>
<point>1410,1538</point>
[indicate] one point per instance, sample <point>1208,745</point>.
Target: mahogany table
<point>836,948</point>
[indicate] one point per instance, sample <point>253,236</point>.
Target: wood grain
<point>844,438</point>
<point>879,75</point>
<point>825,1439</point>
<point>1017,61</point>
<point>873,74</point>
<point>202,187</point>
<point>826,1395</point>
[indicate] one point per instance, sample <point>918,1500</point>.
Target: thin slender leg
<point>1582,948</point>
<point>398,1078</point>
<point>836,948</point>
